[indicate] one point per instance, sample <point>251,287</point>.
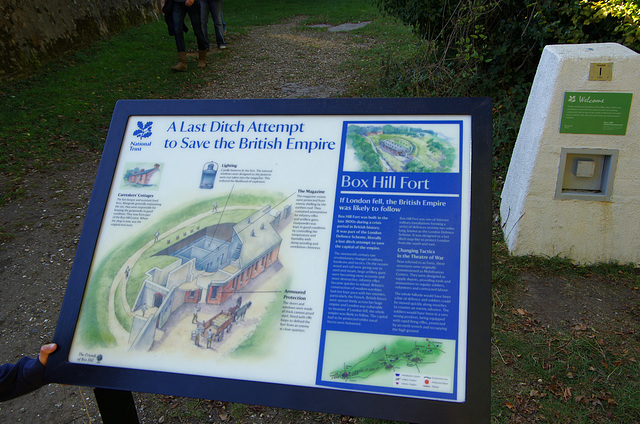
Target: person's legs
<point>178,21</point>
<point>179,10</point>
<point>218,21</point>
<point>204,19</point>
<point>196,23</point>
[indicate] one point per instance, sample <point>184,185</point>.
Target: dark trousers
<point>179,13</point>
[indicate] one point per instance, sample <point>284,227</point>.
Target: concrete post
<point>573,185</point>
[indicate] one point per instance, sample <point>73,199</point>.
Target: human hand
<point>188,3</point>
<point>45,351</point>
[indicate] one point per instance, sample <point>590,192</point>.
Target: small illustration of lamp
<point>209,172</point>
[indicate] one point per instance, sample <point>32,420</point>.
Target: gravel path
<point>288,60</point>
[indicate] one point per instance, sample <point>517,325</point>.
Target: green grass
<point>581,374</point>
<point>61,114</point>
<point>553,375</point>
<point>259,12</point>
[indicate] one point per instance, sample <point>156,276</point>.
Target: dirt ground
<point>573,304</point>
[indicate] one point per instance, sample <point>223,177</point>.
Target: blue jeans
<point>215,7</point>
<point>179,12</point>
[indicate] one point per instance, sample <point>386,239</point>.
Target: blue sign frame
<point>424,225</point>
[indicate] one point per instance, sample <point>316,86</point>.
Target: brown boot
<point>202,58</point>
<point>182,63</point>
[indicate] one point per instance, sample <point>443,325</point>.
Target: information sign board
<point>595,113</point>
<point>328,255</point>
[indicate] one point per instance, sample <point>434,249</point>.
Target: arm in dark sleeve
<point>20,378</point>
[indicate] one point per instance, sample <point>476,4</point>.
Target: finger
<point>45,351</point>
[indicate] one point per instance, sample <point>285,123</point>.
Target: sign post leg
<point>116,406</point>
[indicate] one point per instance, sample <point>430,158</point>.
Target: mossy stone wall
<point>32,32</point>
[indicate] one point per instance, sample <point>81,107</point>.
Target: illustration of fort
<point>397,147</point>
<point>211,265</point>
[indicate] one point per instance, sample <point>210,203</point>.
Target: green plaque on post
<point>595,113</point>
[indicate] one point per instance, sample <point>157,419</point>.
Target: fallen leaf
<point>536,394</point>
<point>567,393</point>
<point>555,389</point>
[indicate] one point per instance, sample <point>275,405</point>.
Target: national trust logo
<point>144,130</point>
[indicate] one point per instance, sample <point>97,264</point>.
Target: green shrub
<point>492,48</point>
<point>506,37</point>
